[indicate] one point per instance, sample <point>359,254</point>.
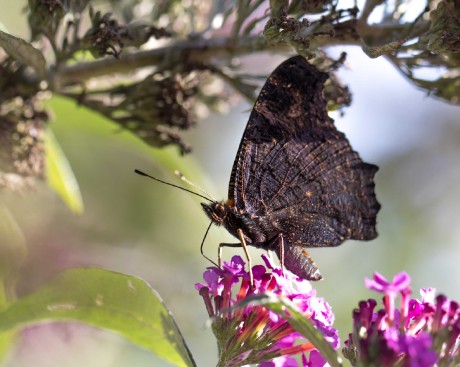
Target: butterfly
<point>296,182</point>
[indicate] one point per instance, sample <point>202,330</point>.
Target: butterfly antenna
<point>176,186</point>
<point>185,179</point>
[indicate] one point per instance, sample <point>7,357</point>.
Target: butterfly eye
<point>220,211</point>
<point>216,212</point>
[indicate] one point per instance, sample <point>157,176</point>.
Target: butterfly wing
<point>322,185</point>
<point>279,114</point>
<point>296,173</point>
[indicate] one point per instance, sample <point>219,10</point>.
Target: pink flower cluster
<point>253,334</point>
<point>418,333</point>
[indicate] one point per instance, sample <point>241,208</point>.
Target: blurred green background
<point>139,227</point>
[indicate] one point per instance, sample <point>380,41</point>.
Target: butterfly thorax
<point>226,214</point>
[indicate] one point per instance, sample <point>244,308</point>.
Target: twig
<point>198,50</point>
<point>201,51</point>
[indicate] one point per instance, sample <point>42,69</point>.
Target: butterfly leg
<point>219,251</point>
<point>201,247</point>
<point>281,245</point>
<point>246,251</point>
<point>276,244</point>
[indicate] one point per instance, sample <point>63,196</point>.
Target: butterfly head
<point>216,211</point>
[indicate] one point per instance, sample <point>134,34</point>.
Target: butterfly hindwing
<point>299,187</point>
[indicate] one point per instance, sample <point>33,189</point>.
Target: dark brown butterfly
<point>296,182</point>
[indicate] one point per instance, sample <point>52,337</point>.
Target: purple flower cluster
<point>253,334</point>
<point>418,333</point>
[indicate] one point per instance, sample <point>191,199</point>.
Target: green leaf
<point>8,340</point>
<point>291,313</point>
<point>24,52</point>
<point>59,174</point>
<point>108,300</point>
